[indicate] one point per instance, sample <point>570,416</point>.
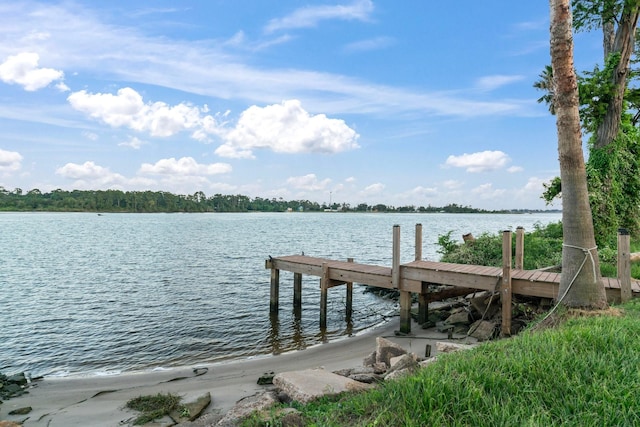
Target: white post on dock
<point>423,303</point>
<point>624,264</point>
<point>505,288</point>
<point>520,248</point>
<point>405,296</point>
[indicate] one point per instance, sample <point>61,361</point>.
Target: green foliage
<point>162,201</point>
<point>153,407</point>
<point>614,188</point>
<point>543,248</point>
<point>582,373</point>
<point>596,91</point>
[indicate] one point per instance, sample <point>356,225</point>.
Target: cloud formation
<point>183,166</point>
<point>286,128</point>
<point>483,161</point>
<point>22,69</point>
<point>127,109</point>
<point>310,16</point>
<point>10,161</point>
<point>309,182</point>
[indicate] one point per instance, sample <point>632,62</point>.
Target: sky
<point>403,103</point>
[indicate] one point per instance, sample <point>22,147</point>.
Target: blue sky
<point>359,101</point>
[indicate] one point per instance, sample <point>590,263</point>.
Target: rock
<point>305,386</point>
<point>345,372</point>
<point>486,306</point>
<point>285,417</point>
<point>397,374</point>
<point>449,347</point>
<point>370,359</point>
<point>246,406</point>
<point>192,410</point>
<point>427,362</point>
<point>483,330</point>
<point>457,318</point>
<point>19,379</point>
<point>404,362</point>
<point>379,368</point>
<point>386,349</point>
<point>21,411</point>
<point>9,424</point>
<point>266,379</point>
<point>366,378</point>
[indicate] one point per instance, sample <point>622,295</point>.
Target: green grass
<point>582,372</point>
<point>153,407</point>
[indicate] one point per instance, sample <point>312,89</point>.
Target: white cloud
<point>420,192</point>
<point>308,182</point>
<point>369,44</point>
<point>92,176</point>
<point>10,161</point>
<point>90,135</point>
<point>133,142</point>
<point>310,16</point>
<point>535,184</point>
<point>86,171</point>
<point>286,128</point>
<point>186,166</point>
<point>489,83</point>
<point>479,162</point>
<point>373,189</point>
<point>486,191</point>
<point>452,184</point>
<point>23,69</point>
<point>515,169</point>
<point>127,109</point>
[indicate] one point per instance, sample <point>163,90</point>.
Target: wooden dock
<point>416,276</point>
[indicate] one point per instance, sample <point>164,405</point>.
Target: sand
<point>99,401</point>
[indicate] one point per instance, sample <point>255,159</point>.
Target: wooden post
<point>418,242</point>
<point>275,291</point>
<point>519,248</point>
<point>624,264</point>
<point>324,289</point>
<point>405,296</point>
<point>297,291</point>
<point>423,304</point>
<point>349,297</point>
<point>505,288</point>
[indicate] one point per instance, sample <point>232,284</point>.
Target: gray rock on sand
<point>310,384</point>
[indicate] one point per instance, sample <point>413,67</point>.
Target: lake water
<point>88,294</point>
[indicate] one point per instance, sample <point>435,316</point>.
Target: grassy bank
<point>582,372</point>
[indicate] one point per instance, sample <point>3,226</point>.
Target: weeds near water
<point>153,407</point>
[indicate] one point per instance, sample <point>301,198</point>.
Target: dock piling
<point>324,290</point>
<point>349,298</point>
<point>505,288</point>
<point>405,296</point>
<point>275,291</point>
<point>624,264</point>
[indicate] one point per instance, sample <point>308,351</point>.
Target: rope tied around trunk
<point>587,255</point>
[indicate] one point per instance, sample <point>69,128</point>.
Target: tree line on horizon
<point>163,201</point>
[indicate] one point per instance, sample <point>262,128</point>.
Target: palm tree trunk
<point>580,283</point>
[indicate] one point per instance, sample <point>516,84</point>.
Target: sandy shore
<point>99,401</point>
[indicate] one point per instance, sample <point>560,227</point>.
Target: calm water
<point>83,293</point>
